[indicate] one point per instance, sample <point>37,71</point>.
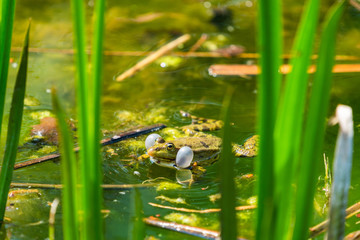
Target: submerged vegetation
<point>117,186</point>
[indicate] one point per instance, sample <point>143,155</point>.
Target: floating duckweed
<point>213,198</point>
<point>171,133</point>
<point>31,101</point>
<point>40,114</point>
<point>178,200</point>
<point>252,200</point>
<point>157,115</point>
<point>210,45</point>
<point>47,149</point>
<point>126,116</point>
<point>165,186</point>
<point>181,218</point>
<point>133,145</point>
<point>172,62</point>
<point>247,215</point>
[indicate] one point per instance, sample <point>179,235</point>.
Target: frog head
<point>163,151</point>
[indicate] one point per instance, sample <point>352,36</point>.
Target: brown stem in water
<point>179,54</point>
<point>195,231</point>
<point>198,43</point>
<point>322,227</point>
<point>210,210</point>
<point>104,142</point>
<point>152,57</point>
<point>59,186</point>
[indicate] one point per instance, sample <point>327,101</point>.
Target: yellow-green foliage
<point>192,219</point>
<point>165,186</point>
<point>178,200</point>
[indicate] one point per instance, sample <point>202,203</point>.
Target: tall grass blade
<point>226,169</point>
<point>7,12</point>
<point>342,173</point>
<point>270,47</point>
<point>69,174</point>
<point>82,89</point>
<point>88,94</point>
<point>315,123</point>
<point>288,127</point>
<point>138,229</point>
<point>14,126</point>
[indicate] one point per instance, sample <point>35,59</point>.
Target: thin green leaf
<point>14,127</point>
<point>7,8</point>
<point>88,94</point>
<point>288,127</point>
<point>270,45</point>
<point>68,173</point>
<point>315,123</point>
<point>226,169</point>
<point>138,230</point>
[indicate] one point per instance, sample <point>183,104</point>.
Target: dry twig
<point>242,69</point>
<point>104,142</point>
<point>321,227</point>
<point>195,231</point>
<point>59,186</point>
<point>152,57</point>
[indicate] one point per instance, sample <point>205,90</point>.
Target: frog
<point>206,148</point>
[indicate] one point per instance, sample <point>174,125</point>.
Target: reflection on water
<point>157,94</point>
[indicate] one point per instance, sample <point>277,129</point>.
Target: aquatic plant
<point>69,174</point>
<point>88,90</point>
<point>7,12</point>
<point>227,175</point>
<point>14,126</point>
<point>287,146</point>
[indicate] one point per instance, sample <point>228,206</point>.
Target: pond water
<point>156,95</point>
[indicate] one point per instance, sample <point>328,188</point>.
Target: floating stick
<point>104,142</point>
<point>152,57</point>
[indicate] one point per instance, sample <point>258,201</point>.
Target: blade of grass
<point>82,88</point>
<point>93,161</point>
<point>88,94</point>
<point>342,173</point>
<point>315,123</point>
<point>226,170</point>
<point>290,119</point>
<point>14,126</point>
<point>138,229</point>
<point>270,46</point>
<point>7,12</point>
<point>68,173</point>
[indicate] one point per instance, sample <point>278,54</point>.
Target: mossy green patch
<point>192,219</point>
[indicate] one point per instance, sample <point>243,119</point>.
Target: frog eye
<point>170,146</point>
<point>184,157</point>
<point>151,140</point>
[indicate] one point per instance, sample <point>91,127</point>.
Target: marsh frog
<point>205,147</point>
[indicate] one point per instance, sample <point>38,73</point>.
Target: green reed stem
<point>88,94</point>
<point>226,170</point>
<point>7,12</point>
<point>14,127</point>
<point>69,174</point>
<point>138,229</point>
<point>288,127</point>
<point>270,46</point>
<point>315,123</point>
